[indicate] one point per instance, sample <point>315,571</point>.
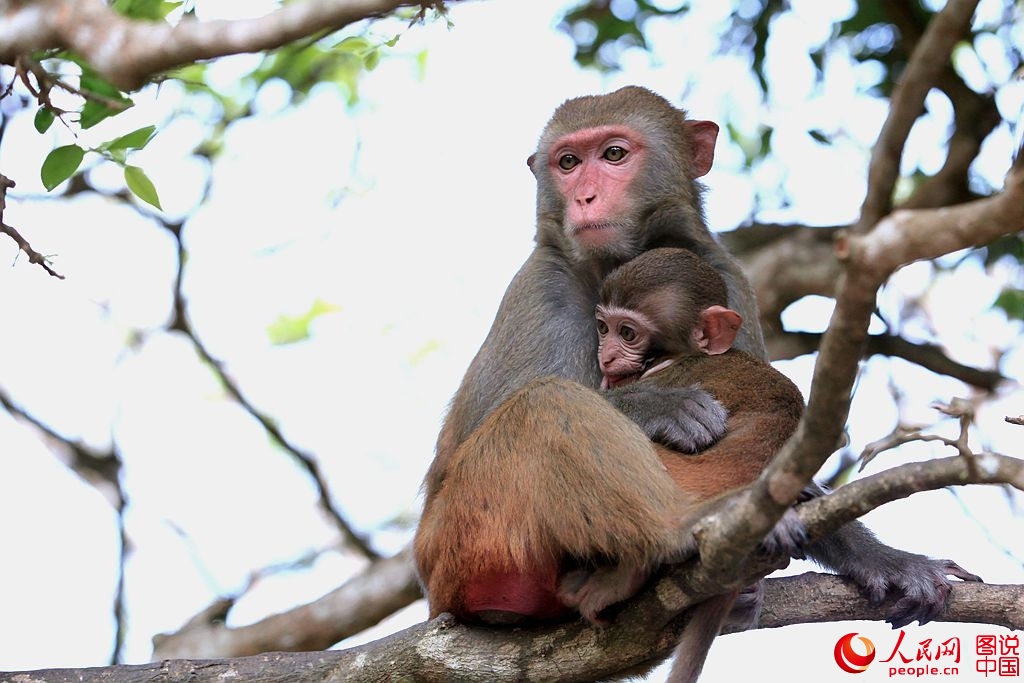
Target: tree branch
<point>128,52</point>
<point>23,245</point>
<point>837,599</point>
<point>381,589</point>
<point>928,61</point>
<point>442,650</point>
<point>929,356</point>
<point>850,501</point>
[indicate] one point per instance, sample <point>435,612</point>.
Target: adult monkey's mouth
<point>584,227</point>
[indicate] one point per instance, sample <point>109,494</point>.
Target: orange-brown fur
<point>503,505</point>
<point>764,409</point>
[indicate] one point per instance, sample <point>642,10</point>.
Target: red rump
<point>518,595</point>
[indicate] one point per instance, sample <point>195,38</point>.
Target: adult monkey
<point>534,476</point>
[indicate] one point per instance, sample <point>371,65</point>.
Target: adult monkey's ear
<point>701,136</point>
<point>529,162</point>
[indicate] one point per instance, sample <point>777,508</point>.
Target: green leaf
<point>90,82</point>
<point>424,352</point>
<point>137,139</point>
<point>60,164</point>
<point>371,60</point>
<point>1008,245</point>
<point>141,186</point>
<point>93,111</point>
<point>44,117</point>
<point>144,9</point>
<point>354,44</point>
<point>1011,301</point>
<point>421,64</point>
<point>193,75</point>
<point>289,329</point>
<point>820,137</point>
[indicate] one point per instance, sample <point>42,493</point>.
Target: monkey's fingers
<point>788,537</point>
<point>907,610</point>
<point>922,602</point>
<point>686,419</point>
<point>953,569</point>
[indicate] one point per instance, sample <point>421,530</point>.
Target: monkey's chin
<point>593,236</point>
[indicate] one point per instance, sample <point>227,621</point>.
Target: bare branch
<point>33,255</point>
<point>932,357</point>
<point>307,461</point>
<point>848,502</point>
<point>381,589</point>
<point>960,408</point>
<point>925,68</point>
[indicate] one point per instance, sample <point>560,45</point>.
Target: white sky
<point>435,216</point>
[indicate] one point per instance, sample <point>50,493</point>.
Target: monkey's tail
<point>706,621</point>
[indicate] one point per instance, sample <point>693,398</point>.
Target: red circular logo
<point>851,661</point>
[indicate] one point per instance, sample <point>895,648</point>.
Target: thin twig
<point>23,245</point>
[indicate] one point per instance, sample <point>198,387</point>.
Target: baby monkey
<point>663,318</point>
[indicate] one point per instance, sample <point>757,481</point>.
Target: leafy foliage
<point>328,58</point>
<point>601,31</point>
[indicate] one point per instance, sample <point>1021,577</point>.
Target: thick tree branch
<point>442,650</point>
<point>784,264</point>
<point>128,53</point>
<point>381,589</point>
<point>837,599</point>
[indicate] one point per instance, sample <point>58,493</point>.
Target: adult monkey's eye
<point>614,153</point>
<point>567,162</point>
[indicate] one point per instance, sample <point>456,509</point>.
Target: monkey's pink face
<point>594,169</point>
<point>624,338</point>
